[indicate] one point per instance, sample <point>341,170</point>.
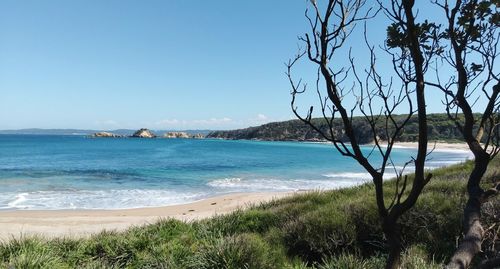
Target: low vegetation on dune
<point>322,230</point>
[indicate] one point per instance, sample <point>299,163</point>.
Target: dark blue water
<point>61,172</point>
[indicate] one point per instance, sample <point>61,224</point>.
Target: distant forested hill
<point>440,128</point>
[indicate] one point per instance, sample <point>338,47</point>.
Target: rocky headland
<point>440,129</point>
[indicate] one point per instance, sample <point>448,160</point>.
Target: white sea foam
<point>226,182</point>
<point>442,162</point>
<point>19,199</point>
<point>272,184</point>
<point>330,181</point>
<point>95,199</point>
<point>347,175</point>
<point>357,176</point>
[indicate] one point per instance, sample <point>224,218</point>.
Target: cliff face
<point>144,133</point>
<point>440,128</point>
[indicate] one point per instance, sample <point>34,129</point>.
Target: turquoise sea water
<point>76,172</point>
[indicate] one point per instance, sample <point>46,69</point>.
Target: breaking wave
<point>272,184</point>
<point>95,199</point>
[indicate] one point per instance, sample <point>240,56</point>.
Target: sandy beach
<point>77,223</point>
<point>440,146</point>
<point>436,145</point>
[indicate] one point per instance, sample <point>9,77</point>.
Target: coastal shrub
<point>297,264</point>
<point>30,252</point>
<point>171,254</point>
<point>163,245</point>
<point>163,229</point>
<point>252,220</point>
<point>110,247</point>
<point>416,257</point>
<point>365,218</point>
<point>237,251</point>
<point>170,239</point>
<point>67,248</point>
<point>257,221</point>
<point>413,258</point>
<point>96,264</point>
<point>350,220</point>
<point>435,221</point>
<point>35,260</point>
<point>319,233</point>
<point>221,224</point>
<point>350,261</point>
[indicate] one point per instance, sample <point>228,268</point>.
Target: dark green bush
<point>30,253</point>
<point>320,233</point>
<point>350,261</point>
<point>238,251</point>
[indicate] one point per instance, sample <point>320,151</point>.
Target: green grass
<point>322,230</point>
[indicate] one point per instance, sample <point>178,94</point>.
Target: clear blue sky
<point>172,64</point>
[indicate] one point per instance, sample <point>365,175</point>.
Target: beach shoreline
<point>81,222</point>
<point>432,145</point>
<point>436,145</point>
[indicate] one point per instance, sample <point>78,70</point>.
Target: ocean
<point>39,172</point>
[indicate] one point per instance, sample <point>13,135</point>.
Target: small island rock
<point>105,134</point>
<point>144,133</point>
<point>176,135</point>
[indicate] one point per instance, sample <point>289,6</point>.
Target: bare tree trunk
<point>472,228</point>
<point>391,231</point>
<point>473,235</point>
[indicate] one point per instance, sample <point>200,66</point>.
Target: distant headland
<point>440,129</point>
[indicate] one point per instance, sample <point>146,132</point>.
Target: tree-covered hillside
<point>440,128</point>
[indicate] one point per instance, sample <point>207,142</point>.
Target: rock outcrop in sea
<point>182,135</point>
<point>105,134</point>
<point>176,135</point>
<point>198,136</point>
<point>144,133</point>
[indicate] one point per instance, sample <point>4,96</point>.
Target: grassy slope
<point>333,229</point>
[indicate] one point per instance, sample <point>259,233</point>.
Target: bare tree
<point>470,48</point>
<point>377,100</point>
